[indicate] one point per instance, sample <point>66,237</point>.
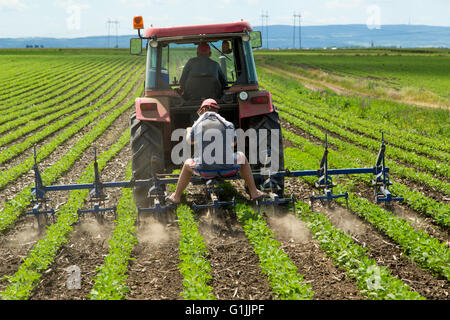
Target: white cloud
<point>343,4</point>
<point>65,4</point>
<point>13,4</point>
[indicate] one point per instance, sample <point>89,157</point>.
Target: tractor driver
<point>202,77</point>
<point>210,119</point>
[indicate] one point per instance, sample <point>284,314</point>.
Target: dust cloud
<point>290,228</point>
<point>346,221</point>
<point>96,229</point>
<point>152,232</point>
<point>29,235</point>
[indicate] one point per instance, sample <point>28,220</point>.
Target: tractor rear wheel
<point>146,142</point>
<point>269,121</point>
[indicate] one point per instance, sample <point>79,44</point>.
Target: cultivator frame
<point>159,181</point>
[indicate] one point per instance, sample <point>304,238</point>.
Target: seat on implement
<point>218,173</point>
<point>202,86</point>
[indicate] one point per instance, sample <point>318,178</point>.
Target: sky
<point>80,18</point>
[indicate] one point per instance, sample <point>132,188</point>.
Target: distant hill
<point>358,35</point>
<point>281,36</point>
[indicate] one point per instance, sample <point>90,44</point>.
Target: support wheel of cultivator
<point>146,142</point>
<point>269,121</point>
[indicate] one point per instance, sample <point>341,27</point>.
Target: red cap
<point>211,103</point>
<point>203,49</point>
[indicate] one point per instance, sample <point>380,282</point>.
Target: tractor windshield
<point>176,56</point>
<point>196,74</point>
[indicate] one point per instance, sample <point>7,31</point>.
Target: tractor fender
<point>257,103</point>
<point>154,109</point>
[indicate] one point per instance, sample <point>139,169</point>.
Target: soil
<point>153,272</point>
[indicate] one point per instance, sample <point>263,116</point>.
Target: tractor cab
<point>168,52</point>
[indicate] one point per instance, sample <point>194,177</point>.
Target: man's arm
<point>189,135</point>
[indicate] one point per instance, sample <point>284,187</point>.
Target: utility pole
<point>265,17</point>
<point>293,38</point>
<point>299,16</point>
<point>110,22</point>
<point>300,30</point>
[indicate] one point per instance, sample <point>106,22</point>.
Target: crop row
<point>339,106</point>
<point>397,169</point>
<point>194,266</point>
<point>30,103</point>
<point>358,125</point>
<point>16,206</point>
<point>45,86</point>
<point>55,87</point>
<point>373,281</point>
<point>308,114</point>
<point>109,283</point>
<point>284,280</point>
<point>337,126</point>
<point>17,68</point>
<point>22,283</point>
<point>63,105</point>
<point>24,87</point>
<point>20,79</point>
<point>29,107</point>
<point>426,251</point>
<point>92,111</point>
<point>438,211</point>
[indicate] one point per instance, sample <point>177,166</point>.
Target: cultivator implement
<point>158,184</point>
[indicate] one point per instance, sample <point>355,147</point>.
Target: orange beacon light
<point>138,22</point>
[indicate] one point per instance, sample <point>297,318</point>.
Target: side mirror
<point>136,46</point>
<point>226,47</point>
<point>256,40</point>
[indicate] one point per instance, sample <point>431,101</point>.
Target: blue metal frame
<point>158,182</point>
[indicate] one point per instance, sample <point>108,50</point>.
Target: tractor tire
<point>269,121</point>
<point>146,142</point>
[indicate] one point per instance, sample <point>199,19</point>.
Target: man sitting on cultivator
<point>210,120</point>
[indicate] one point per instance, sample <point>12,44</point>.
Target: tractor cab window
<point>180,54</point>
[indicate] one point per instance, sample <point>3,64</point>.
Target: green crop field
<point>413,76</point>
<point>68,102</point>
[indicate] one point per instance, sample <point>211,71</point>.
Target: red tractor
<point>165,108</point>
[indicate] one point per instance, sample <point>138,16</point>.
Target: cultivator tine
<point>325,181</point>
<point>214,204</point>
<point>97,197</point>
<point>38,196</point>
<point>381,182</point>
<point>156,193</point>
